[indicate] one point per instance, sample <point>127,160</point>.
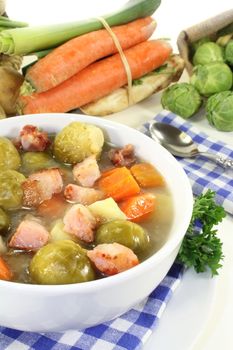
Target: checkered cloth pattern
<point>203,173</point>
<point>129,331</point>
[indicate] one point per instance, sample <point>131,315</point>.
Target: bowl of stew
<point>92,215</point>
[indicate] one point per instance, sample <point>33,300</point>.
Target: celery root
<point>10,83</point>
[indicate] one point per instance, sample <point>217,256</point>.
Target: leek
<point>41,54</point>
<point>24,41</point>
<point>6,23</point>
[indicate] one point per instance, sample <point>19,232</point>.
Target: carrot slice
<point>119,184</point>
<point>108,172</point>
<point>138,207</point>
<point>5,272</point>
<point>76,54</point>
<point>97,80</point>
<point>146,175</point>
<point>53,207</point>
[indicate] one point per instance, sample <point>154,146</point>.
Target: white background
<point>199,317</point>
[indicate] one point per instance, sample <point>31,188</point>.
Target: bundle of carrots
<point>89,68</point>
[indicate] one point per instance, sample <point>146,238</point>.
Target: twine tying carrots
<point>123,58</point>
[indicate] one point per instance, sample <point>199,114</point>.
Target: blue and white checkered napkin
<point>129,331</point>
<point>204,174</point>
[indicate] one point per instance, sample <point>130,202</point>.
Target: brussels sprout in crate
<point>229,52</point>
<point>203,37</point>
<point>182,99</point>
<point>194,46</point>
<point>219,110</point>
<point>211,78</point>
<point>208,52</point>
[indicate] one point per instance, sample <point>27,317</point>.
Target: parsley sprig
<point>201,248</point>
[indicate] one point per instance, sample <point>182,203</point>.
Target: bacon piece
<point>82,195</point>
<point>122,156</point>
<point>17,143</point>
<point>50,180</point>
<point>112,258</point>
<point>80,222</point>
<point>41,186</point>
<point>30,235</point>
<point>31,193</point>
<point>33,140</point>
<point>86,172</point>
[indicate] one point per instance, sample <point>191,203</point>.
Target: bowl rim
<point>110,281</point>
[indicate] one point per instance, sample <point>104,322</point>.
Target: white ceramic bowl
<point>42,308</point>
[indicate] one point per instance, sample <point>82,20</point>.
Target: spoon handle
<point>225,163</point>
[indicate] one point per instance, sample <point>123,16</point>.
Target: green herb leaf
<point>201,248</point>
<point>137,82</point>
<point>161,68</point>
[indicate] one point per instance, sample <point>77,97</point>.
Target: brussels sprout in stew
<point>74,209</point>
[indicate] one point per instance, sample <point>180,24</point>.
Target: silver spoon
<point>180,144</point>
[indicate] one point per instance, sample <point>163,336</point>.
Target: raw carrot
<point>5,272</point>
<point>137,208</point>
<point>97,80</point>
<point>119,184</point>
<point>53,207</point>
<point>146,175</point>
<point>76,54</point>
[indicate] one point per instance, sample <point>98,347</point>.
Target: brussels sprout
<point>200,42</point>
<point>4,220</point>
<point>34,161</point>
<point>61,262</point>
<point>123,232</point>
<point>219,110</point>
<point>208,52</point>
<point>182,99</point>
<point>77,141</point>
<point>11,192</point>
<point>229,52</point>
<point>212,78</point>
<point>9,156</point>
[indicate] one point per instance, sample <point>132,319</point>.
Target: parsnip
<point>149,84</point>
